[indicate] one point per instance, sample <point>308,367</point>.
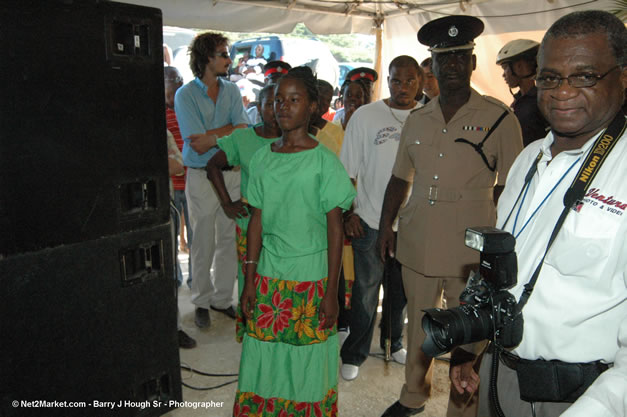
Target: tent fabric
<point>398,20</point>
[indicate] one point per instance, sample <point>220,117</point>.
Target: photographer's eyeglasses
<point>175,79</point>
<point>549,82</point>
<point>224,55</point>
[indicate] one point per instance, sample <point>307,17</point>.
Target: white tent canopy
<point>396,23</point>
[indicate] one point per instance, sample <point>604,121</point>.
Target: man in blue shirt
<point>208,108</point>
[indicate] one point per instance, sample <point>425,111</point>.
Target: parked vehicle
<point>295,51</point>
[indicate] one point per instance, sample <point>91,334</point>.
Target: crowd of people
<point>311,217</point>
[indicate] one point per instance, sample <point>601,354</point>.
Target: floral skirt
<point>289,365</point>
<point>241,228</point>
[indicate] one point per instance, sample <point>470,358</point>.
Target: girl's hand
<point>248,300</point>
<point>329,311</point>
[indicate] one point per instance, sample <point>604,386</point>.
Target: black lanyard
<point>575,193</point>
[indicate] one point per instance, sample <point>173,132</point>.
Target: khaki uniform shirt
<point>452,186</point>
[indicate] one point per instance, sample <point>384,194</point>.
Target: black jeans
<point>369,272</point>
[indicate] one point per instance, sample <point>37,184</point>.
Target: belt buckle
<point>433,194</point>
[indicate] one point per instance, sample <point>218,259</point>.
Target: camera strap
<point>575,193</point>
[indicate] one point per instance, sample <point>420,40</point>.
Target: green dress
<point>239,147</point>
<point>288,365</point>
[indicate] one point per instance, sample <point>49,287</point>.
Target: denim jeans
<point>180,202</point>
<point>369,272</point>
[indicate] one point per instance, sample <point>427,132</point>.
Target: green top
<point>239,147</point>
<point>295,191</point>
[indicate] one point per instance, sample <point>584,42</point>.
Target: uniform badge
<point>476,128</point>
<point>452,31</point>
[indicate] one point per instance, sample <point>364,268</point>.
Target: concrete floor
<point>377,386</point>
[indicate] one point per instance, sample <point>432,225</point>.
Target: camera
<point>487,310</point>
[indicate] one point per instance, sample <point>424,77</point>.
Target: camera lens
<point>457,326</point>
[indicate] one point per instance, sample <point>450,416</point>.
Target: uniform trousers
<point>509,394</point>
<point>214,252</point>
<point>422,293</point>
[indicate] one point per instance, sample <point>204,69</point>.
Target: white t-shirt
<point>368,153</point>
<point>578,309</point>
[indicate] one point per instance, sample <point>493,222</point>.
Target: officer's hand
<point>464,377</point>
<point>352,226</point>
<point>386,244</point>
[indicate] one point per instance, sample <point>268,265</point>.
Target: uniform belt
<point>435,193</point>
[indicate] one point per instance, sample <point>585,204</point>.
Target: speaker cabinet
<point>86,263</point>
<point>92,321</point>
<point>82,122</point>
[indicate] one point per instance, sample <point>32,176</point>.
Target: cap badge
<point>362,74</point>
<point>452,31</point>
<point>279,69</point>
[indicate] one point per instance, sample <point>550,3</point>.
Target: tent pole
<point>377,58</point>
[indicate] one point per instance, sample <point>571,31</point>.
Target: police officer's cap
<point>517,49</point>
<point>450,33</point>
<point>274,67</point>
<point>362,73</point>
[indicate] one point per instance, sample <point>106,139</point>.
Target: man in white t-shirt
<point>368,153</point>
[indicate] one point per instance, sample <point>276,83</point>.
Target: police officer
<point>518,61</point>
<point>454,181</point>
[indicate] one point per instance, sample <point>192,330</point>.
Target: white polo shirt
<point>578,309</point>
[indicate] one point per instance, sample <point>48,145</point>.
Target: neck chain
<point>402,123</point>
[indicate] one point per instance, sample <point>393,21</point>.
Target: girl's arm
<point>253,249</point>
<point>233,209</point>
<point>329,308</point>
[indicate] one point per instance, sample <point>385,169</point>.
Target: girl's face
<point>266,109</point>
<point>353,97</point>
<point>292,105</point>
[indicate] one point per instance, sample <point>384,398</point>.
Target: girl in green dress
<point>237,149</point>
<point>298,189</point>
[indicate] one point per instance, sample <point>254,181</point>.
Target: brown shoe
<point>185,341</point>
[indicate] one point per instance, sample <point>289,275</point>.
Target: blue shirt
<point>196,113</point>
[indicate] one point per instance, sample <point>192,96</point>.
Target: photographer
<point>572,360</point>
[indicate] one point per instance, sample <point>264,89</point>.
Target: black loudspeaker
<point>86,263</point>
<point>92,321</point>
<point>82,122</point>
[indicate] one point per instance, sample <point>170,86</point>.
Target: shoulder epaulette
<point>498,102</point>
